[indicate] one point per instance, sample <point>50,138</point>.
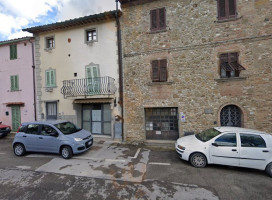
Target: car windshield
<point>67,128</point>
<point>206,135</point>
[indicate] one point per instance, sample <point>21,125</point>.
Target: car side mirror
<point>215,144</point>
<point>0,122</point>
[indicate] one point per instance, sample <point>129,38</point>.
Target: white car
<point>228,146</point>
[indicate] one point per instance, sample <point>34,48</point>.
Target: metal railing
<point>88,87</point>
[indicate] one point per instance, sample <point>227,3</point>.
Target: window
<point>228,140</point>
<point>50,78</point>
<point>229,66</point>
<point>50,42</point>
<point>161,123</point>
<point>159,70</point>
<point>158,19</point>
<point>252,140</point>
<point>13,51</point>
<point>14,83</point>
<point>226,9</point>
<point>47,130</point>
<point>32,129</point>
<point>51,110</point>
<point>91,35</point>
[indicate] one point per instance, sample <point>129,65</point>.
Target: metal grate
<point>231,116</point>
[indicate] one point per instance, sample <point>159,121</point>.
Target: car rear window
<point>208,134</point>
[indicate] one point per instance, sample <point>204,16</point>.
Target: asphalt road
<point>116,171</point>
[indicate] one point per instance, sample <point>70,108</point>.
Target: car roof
<point>238,129</point>
<point>47,122</point>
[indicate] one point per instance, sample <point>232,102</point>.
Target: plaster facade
<point>69,58</point>
<point>192,42</point>
<point>21,67</point>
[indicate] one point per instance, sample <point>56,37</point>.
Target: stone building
<point>193,64</point>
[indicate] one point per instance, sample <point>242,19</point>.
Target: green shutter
<point>16,82</point>
<point>16,117</point>
<point>11,83</point>
<point>47,78</point>
<point>13,51</point>
<point>50,78</point>
<point>53,78</point>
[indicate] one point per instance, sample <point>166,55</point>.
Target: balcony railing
<point>88,87</point>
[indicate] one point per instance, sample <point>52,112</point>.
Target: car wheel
<point>268,169</point>
<point>66,152</point>
<point>198,160</point>
<point>19,149</point>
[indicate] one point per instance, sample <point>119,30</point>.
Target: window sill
<point>15,90</point>
<point>157,31</point>
<point>230,79</point>
<point>227,20</point>
<point>159,83</point>
<point>90,42</point>
<point>49,49</point>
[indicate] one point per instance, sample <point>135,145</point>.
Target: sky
<point>18,14</point>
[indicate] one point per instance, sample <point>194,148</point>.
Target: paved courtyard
<point>117,171</point>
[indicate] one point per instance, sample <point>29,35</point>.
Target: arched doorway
<point>231,115</point>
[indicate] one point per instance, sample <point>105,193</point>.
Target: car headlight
<point>78,139</point>
<point>181,147</point>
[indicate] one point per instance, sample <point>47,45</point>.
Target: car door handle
<point>234,149</point>
<point>24,135</point>
<point>40,137</point>
<point>265,151</point>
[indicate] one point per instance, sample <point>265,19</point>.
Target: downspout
<point>120,62</point>
<point>34,83</point>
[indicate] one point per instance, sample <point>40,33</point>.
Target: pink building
<point>17,82</point>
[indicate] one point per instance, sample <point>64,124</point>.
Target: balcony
<point>88,87</point>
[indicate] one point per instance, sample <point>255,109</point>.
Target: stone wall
<point>192,43</point>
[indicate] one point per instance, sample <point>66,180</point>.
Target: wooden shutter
<point>163,70</point>
<point>162,23</point>
<point>16,82</point>
<point>47,78</point>
<point>232,7</point>
<point>233,57</point>
<point>14,51</point>
<point>11,52</point>
<point>221,9</point>
<point>52,78</point>
<point>155,70</point>
<point>12,85</point>
<point>153,19</point>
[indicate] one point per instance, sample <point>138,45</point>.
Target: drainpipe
<point>34,83</point>
<point>120,62</point>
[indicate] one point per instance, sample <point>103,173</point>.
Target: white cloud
<point>18,14</point>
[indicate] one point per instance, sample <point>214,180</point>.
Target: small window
<point>32,129</point>
<point>226,9</point>
<point>47,130</point>
<point>229,65</point>
<point>158,19</point>
<point>14,83</point>
<point>50,78</point>
<point>91,35</point>
<point>252,140</point>
<point>228,140</point>
<point>50,42</point>
<point>159,70</point>
<point>13,51</point>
